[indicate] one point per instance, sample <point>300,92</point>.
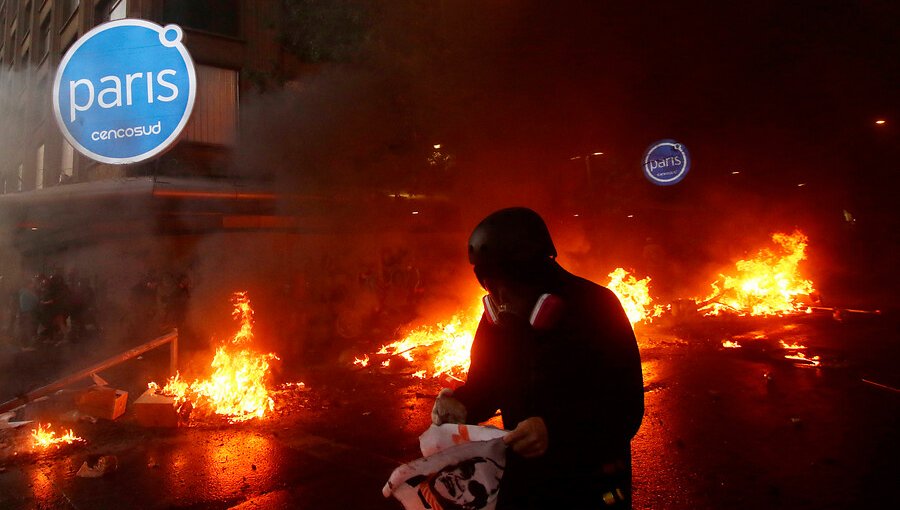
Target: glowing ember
<point>634,295</point>
<point>236,389</point>
<point>768,284</point>
<point>800,356</point>
<point>795,352</point>
<point>791,347</point>
<point>728,344</point>
<point>44,438</point>
<point>442,349</point>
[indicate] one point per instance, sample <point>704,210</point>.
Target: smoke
<point>434,114</point>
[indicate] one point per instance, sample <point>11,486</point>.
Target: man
<point>557,356</point>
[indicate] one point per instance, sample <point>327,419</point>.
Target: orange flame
<point>768,284</point>
<point>236,389</point>
<point>634,295</point>
<point>435,350</point>
<point>728,344</point>
<point>791,347</point>
<point>801,356</point>
<point>795,352</point>
<point>444,348</point>
<point>43,438</point>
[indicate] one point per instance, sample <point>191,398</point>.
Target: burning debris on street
<point>635,296</point>
<point>435,350</point>
<point>768,284</point>
<point>237,388</point>
<point>162,163</point>
<point>45,437</point>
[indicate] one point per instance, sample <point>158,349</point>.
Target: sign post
<point>124,92</point>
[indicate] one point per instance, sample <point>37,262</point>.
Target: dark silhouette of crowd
<point>49,309</point>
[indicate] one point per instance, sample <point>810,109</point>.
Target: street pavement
<point>724,428</point>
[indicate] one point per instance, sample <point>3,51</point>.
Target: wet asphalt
<point>724,428</point>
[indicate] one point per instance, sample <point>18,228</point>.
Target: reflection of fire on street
<point>769,284</point>
<point>237,387</point>
<point>43,437</point>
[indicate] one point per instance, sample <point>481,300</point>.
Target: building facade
<point>233,44</point>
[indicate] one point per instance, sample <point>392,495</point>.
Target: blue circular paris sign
<point>124,91</point>
<point>666,162</point>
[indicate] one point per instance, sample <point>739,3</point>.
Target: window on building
<point>44,41</point>
<point>39,168</point>
<point>67,169</point>
<point>119,10</point>
<point>12,40</point>
<point>215,116</point>
<point>65,47</point>
<point>26,20</point>
<point>68,7</point>
<point>216,16</point>
<point>2,26</point>
<point>111,10</point>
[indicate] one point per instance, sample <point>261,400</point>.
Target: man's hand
<point>447,409</point>
<point>529,439</point>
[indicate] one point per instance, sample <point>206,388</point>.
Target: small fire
<point>44,438</point>
<point>801,356</point>
<point>236,389</point>
<point>728,344</point>
<point>768,284</point>
<point>436,350</point>
<point>795,352</point>
<point>791,347</point>
<point>634,295</point>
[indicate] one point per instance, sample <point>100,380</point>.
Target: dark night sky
<point>785,93</point>
<point>779,91</point>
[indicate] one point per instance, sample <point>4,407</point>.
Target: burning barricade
<point>768,284</point>
<point>442,349</point>
<point>635,296</point>
<point>236,390</point>
<point>435,350</point>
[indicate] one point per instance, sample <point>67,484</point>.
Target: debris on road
<point>98,466</point>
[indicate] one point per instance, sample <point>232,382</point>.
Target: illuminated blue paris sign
<point>666,162</point>
<point>125,90</point>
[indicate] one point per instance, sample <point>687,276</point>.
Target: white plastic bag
<point>461,470</point>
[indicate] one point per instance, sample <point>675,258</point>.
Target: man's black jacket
<point>582,376</point>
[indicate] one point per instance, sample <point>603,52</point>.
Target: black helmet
<point>510,242</point>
